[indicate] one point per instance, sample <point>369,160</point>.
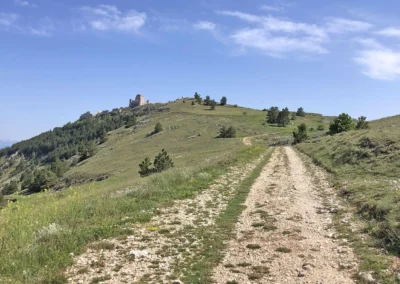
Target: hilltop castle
<point>138,101</point>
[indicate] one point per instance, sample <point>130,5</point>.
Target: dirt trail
<point>285,234</point>
<point>169,241</point>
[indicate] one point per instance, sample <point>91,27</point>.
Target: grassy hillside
<point>39,232</point>
<point>366,167</point>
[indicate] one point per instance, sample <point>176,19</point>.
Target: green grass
<point>39,239</point>
<point>366,170</point>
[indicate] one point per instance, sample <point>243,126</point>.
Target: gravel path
<point>285,234</point>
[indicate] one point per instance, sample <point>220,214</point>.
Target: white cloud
<point>24,3</point>
<point>389,32</point>
<point>275,36</point>
<point>8,20</point>
<point>108,17</point>
<point>14,23</point>
<point>271,8</point>
<point>340,25</point>
<point>275,45</point>
<point>379,62</point>
<point>204,25</point>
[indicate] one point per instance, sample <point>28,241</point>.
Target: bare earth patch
<point>285,234</point>
<point>156,252</point>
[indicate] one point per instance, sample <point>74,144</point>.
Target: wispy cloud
<point>11,22</point>
<point>379,62</point>
<point>275,36</point>
<point>340,26</point>
<point>205,25</point>
<point>109,18</point>
<point>389,32</point>
<point>271,8</point>
<point>24,3</point>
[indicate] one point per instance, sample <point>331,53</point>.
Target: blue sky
<point>59,59</point>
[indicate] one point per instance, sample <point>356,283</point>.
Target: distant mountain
<point>6,143</point>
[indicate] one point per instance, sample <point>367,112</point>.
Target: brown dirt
<point>285,234</point>
<point>247,141</point>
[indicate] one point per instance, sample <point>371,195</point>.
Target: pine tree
<point>272,115</point>
<point>283,117</point>
<point>224,100</point>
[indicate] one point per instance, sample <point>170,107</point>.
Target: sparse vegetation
<point>301,134</point>
<point>229,132</point>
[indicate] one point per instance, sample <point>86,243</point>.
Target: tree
<point>162,162</point>
<point>198,98</point>
<point>272,115</point>
<point>87,150</point>
<point>59,167</point>
<point>223,101</point>
<point>158,128</point>
<point>131,121</point>
<point>300,112</point>
<point>145,169</point>
<point>283,117</point>
<point>212,104</point>
<point>10,188</point>
<point>301,134</point>
<point>362,123</point>
<point>193,103</point>
<point>43,179</point>
<point>207,101</point>
<point>102,134</point>
<point>342,123</point>
<point>227,132</point>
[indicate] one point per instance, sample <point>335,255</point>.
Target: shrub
<point>10,188</point>
<point>227,132</point>
<point>207,101</point>
<point>212,104</point>
<point>158,128</point>
<point>362,123</point>
<point>321,127</point>
<point>198,98</point>
<point>145,169</point>
<point>162,162</point>
<point>300,112</point>
<point>59,167</point>
<point>301,134</point>
<point>293,117</point>
<point>87,150</point>
<point>223,101</point>
<point>235,105</point>
<point>131,121</point>
<point>193,103</point>
<point>342,123</point>
<point>245,113</point>
<point>43,179</point>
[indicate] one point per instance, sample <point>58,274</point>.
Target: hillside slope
<point>109,196</point>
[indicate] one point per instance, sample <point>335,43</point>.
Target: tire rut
<point>285,234</point>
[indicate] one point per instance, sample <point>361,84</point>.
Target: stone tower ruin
<point>138,101</point>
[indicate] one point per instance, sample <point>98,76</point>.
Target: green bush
<point>158,128</point>
<point>227,132</point>
<point>362,123</point>
<point>87,150</point>
<point>10,188</point>
<point>212,104</point>
<point>301,134</point>
<point>162,162</point>
<point>145,168</point>
<point>193,103</point>
<point>342,123</point>
<point>283,117</point>
<point>43,179</point>
<point>321,127</point>
<point>131,121</point>
<point>300,112</point>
